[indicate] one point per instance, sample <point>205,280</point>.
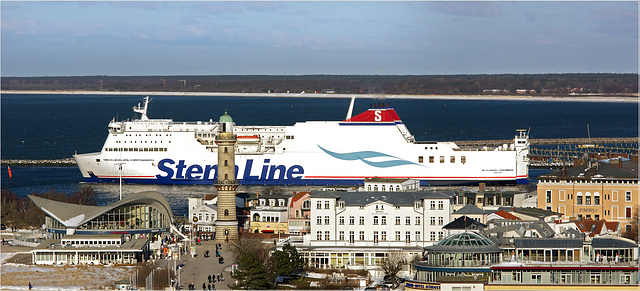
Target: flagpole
<point>465,223</point>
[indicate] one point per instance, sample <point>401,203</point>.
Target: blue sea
<point>55,126</point>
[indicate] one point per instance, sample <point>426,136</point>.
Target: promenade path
<point>196,270</point>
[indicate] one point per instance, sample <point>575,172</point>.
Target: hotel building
<point>599,190</point>
<point>358,230</point>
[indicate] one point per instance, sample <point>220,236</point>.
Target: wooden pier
<point>555,153</point>
<point>553,141</point>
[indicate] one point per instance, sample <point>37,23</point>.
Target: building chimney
<point>617,162</point>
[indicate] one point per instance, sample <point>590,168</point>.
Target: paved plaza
<point>196,270</point>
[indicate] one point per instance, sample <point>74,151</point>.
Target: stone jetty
<point>67,162</point>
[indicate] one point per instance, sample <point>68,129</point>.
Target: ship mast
<point>350,112</point>
<point>143,110</point>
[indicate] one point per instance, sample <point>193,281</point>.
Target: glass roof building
<point>140,213</point>
<point>461,257</point>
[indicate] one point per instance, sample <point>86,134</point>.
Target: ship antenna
<point>353,99</point>
<point>142,110</point>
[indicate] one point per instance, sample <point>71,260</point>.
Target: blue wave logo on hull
<point>364,155</point>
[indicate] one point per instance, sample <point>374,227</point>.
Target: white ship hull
<point>372,144</point>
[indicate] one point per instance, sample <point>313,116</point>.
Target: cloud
<point>473,9</point>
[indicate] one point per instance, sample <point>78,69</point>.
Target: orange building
<point>598,190</point>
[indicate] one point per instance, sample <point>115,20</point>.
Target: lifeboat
<point>248,138</point>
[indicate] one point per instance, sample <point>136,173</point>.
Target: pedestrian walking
<point>30,286</point>
<point>204,286</point>
<point>209,278</point>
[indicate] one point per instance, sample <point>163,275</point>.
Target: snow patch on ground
<point>18,276</point>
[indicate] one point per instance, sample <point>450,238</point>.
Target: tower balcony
<point>225,182</point>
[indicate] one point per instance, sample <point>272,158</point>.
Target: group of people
<point>213,278</point>
<point>603,258</point>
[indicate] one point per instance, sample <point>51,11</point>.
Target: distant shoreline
<point>613,99</point>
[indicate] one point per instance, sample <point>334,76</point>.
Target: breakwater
<point>67,162</point>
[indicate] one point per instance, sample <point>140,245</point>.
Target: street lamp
<point>120,169</point>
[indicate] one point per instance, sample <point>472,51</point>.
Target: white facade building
<point>359,229</point>
<point>390,185</point>
<point>202,213</point>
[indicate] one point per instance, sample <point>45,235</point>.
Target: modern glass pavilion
<point>119,233</point>
<point>466,254</point>
<point>140,213</point>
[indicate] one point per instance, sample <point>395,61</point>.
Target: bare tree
<point>415,259</point>
<point>245,244</point>
<point>393,263</point>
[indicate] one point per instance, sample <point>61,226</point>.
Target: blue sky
<point>296,38</point>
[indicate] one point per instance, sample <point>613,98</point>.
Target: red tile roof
<point>506,215</point>
<point>587,226</point>
<point>297,197</point>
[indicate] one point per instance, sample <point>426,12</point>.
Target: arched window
<point>226,163</point>
<point>226,212</point>
<point>225,150</point>
<point>226,176</point>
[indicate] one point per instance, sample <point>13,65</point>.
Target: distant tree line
<point>534,84</point>
<point>20,212</point>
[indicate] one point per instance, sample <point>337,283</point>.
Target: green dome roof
<point>466,239</point>
<point>226,117</point>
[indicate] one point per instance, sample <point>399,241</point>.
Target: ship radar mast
<point>350,112</point>
<point>143,110</point>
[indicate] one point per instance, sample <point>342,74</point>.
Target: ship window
<point>441,159</point>
<point>453,159</point>
<point>431,159</point>
<point>463,159</point>
<point>420,159</point>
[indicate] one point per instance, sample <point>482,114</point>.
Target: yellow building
<point>269,213</point>
<point>598,190</point>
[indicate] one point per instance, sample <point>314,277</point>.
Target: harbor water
<point>57,126</point>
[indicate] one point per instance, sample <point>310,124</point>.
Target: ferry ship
<point>374,143</point>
